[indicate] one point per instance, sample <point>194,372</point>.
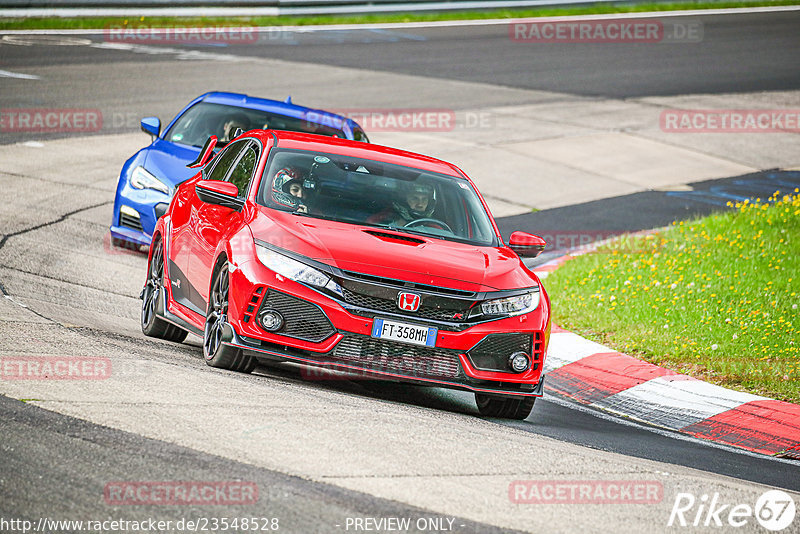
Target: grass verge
<point>715,298</point>
<point>29,23</point>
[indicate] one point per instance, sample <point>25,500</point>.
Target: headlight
<point>141,179</point>
<point>512,305</point>
<point>293,269</point>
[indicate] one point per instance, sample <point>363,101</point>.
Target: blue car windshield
<point>205,119</point>
<point>371,193</point>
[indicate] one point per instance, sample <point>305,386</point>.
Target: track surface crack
<point>50,223</point>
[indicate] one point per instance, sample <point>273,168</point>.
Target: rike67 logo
<point>774,510</point>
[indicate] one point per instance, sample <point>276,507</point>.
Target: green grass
<point>99,23</point>
<point>716,298</point>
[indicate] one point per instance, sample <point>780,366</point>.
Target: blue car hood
<point>167,161</point>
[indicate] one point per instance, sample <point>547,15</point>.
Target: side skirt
<point>164,313</point>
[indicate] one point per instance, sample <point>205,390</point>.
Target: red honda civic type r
<point>354,257</point>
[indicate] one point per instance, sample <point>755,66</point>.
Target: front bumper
<point>321,331</point>
<point>258,349</point>
<point>136,212</point>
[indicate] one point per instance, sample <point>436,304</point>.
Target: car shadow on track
<point>427,397</point>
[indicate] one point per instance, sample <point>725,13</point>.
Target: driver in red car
<point>416,200</point>
<point>289,180</point>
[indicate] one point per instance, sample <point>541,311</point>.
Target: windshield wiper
<point>404,230</point>
<point>401,229</point>
<point>313,216</point>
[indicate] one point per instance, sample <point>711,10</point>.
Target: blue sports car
<point>149,178</point>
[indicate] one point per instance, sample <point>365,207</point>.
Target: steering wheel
<point>437,222</point>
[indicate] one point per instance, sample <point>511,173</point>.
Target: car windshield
<point>372,193</point>
<point>204,119</point>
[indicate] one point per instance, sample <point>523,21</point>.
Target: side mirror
<point>219,193</point>
<point>151,125</point>
<point>526,245</point>
<point>205,153</point>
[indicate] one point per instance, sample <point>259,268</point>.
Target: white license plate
<point>404,333</point>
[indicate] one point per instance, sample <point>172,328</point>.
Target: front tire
<point>505,407</point>
<point>216,353</point>
<point>152,324</point>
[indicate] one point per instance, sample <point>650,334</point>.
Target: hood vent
<point>395,237</point>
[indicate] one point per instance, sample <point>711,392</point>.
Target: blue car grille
<point>130,222</point>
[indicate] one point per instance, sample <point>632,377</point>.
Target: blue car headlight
<point>142,179</point>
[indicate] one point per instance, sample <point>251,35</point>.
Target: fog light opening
<point>519,362</point>
<point>129,211</point>
<point>270,320</point>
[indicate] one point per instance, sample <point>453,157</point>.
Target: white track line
<point>9,74</point>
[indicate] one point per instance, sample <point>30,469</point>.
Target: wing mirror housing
<point>206,153</point>
<point>526,245</point>
<point>152,126</point>
<point>219,193</point>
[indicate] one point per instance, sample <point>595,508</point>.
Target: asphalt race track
<point>756,52</point>
<point>323,453</point>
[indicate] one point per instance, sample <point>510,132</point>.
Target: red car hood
<point>434,262</point>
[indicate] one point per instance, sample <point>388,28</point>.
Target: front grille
<point>400,284</point>
<point>302,320</point>
<point>492,352</point>
<point>130,221</point>
<point>390,306</point>
<point>389,356</point>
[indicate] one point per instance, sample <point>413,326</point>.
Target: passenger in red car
<point>415,201</point>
